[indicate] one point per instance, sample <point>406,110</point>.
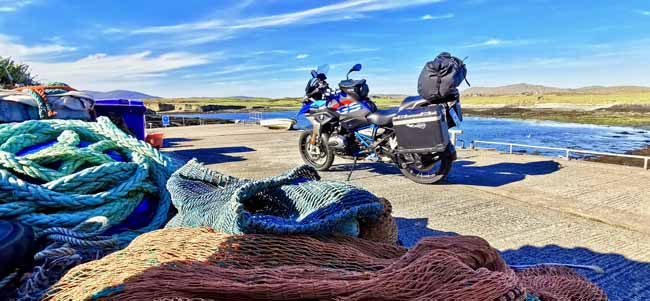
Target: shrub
<point>15,74</point>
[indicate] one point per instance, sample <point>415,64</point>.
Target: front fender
<point>304,109</point>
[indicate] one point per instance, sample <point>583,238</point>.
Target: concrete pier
<point>535,209</point>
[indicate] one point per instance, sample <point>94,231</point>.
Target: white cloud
<point>392,4</point>
<point>8,6</point>
<point>302,56</point>
<point>111,30</point>
<point>237,69</point>
<point>338,11</point>
<point>259,87</point>
<point>352,49</point>
<point>10,48</point>
<point>207,25</point>
<point>295,17</point>
<point>644,12</point>
<point>98,71</point>
<point>439,17</point>
<point>256,54</point>
<point>493,42</point>
<point>106,72</point>
<point>301,69</point>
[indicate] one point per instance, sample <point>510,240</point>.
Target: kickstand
<point>354,165</point>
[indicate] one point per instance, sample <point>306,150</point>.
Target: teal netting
<point>292,203</point>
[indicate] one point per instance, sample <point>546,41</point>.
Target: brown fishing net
<point>384,229</point>
<point>559,283</point>
<point>191,264</point>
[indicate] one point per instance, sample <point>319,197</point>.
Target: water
<point>540,133</point>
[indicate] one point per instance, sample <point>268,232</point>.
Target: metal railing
<point>453,136</point>
<point>254,118</point>
<point>567,151</point>
<point>180,120</point>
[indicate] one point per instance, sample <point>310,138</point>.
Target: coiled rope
<point>71,192</point>
<point>40,94</point>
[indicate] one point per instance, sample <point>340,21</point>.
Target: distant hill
<point>124,94</point>
<point>613,89</point>
<point>389,96</point>
<point>521,89</point>
<point>515,89</point>
<point>241,97</point>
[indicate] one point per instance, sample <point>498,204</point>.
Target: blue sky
<point>266,47</point>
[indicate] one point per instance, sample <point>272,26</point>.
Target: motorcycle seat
<point>351,83</point>
<point>411,102</point>
<point>382,117</point>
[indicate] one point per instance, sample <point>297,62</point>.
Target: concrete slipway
<point>534,209</point>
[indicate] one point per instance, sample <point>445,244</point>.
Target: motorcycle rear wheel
<point>318,156</point>
<point>434,168</point>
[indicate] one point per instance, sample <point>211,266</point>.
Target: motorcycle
<point>347,124</point>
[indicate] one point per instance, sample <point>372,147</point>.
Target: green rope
<point>70,195</point>
<point>43,106</point>
<point>65,185</point>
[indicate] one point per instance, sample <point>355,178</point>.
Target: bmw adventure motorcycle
<point>346,123</point>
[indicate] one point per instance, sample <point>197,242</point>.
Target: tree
<point>12,74</point>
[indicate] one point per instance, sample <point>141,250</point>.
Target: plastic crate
<point>130,111</point>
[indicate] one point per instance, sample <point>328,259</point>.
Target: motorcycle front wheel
<point>430,168</point>
<point>318,155</point>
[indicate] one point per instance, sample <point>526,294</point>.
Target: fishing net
<point>382,229</point>
<point>293,203</point>
<point>191,263</point>
<point>559,283</point>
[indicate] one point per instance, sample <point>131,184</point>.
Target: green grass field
<point>620,115</point>
<point>247,102</point>
<point>509,100</point>
<point>571,99</point>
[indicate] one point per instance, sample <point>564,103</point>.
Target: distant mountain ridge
<point>519,89</point>
<point>123,94</point>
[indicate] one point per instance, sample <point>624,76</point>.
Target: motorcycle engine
<point>338,142</point>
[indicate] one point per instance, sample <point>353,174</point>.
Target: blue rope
<point>71,194</point>
<point>8,279</point>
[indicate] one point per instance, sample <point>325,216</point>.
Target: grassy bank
<point>568,99</point>
<point>201,104</point>
<point>599,117</point>
<point>505,100</point>
<point>621,109</point>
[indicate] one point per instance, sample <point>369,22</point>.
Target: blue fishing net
<point>296,202</point>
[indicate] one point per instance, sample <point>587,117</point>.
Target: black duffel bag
<point>440,78</point>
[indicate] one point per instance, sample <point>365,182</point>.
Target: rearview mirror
<point>356,67</point>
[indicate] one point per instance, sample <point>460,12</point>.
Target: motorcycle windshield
<point>311,83</point>
<point>323,69</point>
